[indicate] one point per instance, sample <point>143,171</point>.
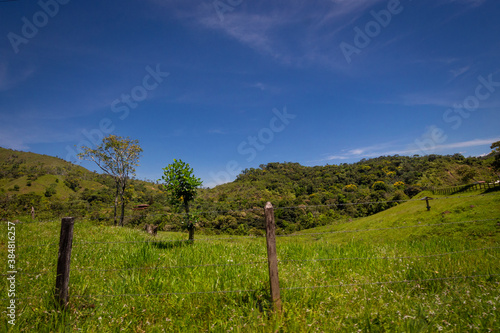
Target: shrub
<point>399,185</point>
<point>413,190</point>
<point>50,191</point>
<point>350,188</point>
<point>379,186</point>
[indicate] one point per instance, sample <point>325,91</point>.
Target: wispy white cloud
<point>9,79</point>
<point>463,7</point>
<point>389,149</point>
<point>467,144</point>
<point>471,3</point>
<point>441,99</point>
<point>12,142</point>
<point>458,71</point>
<point>260,25</point>
<point>259,85</point>
<point>21,137</point>
<point>216,131</point>
<point>360,152</point>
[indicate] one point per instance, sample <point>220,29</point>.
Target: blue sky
<point>231,84</point>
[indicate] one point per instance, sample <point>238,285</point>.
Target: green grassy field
<point>403,270</point>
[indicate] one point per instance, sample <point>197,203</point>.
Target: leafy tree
<point>466,173</point>
<point>118,157</point>
<point>182,184</point>
<point>379,186</point>
<point>50,191</point>
<point>72,182</point>
<point>350,188</point>
<point>496,152</point>
<point>399,185</point>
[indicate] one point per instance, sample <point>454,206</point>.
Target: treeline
<point>58,189</point>
<point>346,188</point>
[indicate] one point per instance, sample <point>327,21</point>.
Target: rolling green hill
<point>458,217</point>
<point>55,187</point>
<point>24,172</point>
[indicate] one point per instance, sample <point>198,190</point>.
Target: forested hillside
<point>57,188</point>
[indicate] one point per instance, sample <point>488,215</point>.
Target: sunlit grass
<point>374,280</point>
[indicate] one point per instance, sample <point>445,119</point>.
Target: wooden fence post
<point>63,261</point>
<point>272,258</point>
<point>427,202</point>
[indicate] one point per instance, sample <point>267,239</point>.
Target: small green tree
<point>379,186</point>
<point>182,184</point>
<point>117,157</point>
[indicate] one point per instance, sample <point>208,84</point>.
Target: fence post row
<point>61,294</point>
<point>272,258</point>
<point>63,261</point>
<point>470,187</point>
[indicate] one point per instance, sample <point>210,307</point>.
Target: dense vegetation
<point>55,188</point>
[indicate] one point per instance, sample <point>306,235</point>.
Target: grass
<point>375,279</point>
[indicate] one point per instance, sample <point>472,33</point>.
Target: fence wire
<point>256,237</point>
<point>391,258</point>
<point>171,267</point>
<point>143,241</point>
<point>390,282</point>
<point>262,262</point>
<point>340,285</point>
<point>378,229</point>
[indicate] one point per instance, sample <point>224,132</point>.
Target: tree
<point>466,173</point>
<point>496,152</point>
<point>379,186</point>
<point>117,157</point>
<point>182,185</point>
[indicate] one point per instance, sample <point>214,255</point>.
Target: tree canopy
<point>117,157</point>
<point>182,184</point>
<point>496,152</point>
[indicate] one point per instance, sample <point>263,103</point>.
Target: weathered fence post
<point>427,202</point>
<point>63,261</point>
<point>272,258</point>
<point>32,213</point>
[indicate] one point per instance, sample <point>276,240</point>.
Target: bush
<point>50,191</point>
<point>72,183</point>
<point>256,232</point>
<point>400,195</point>
<point>379,186</point>
<point>399,185</point>
<point>413,190</point>
<point>350,188</point>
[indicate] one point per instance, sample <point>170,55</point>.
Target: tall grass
<point>435,278</point>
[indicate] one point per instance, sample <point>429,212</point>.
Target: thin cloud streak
<point>372,151</point>
<point>261,28</point>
